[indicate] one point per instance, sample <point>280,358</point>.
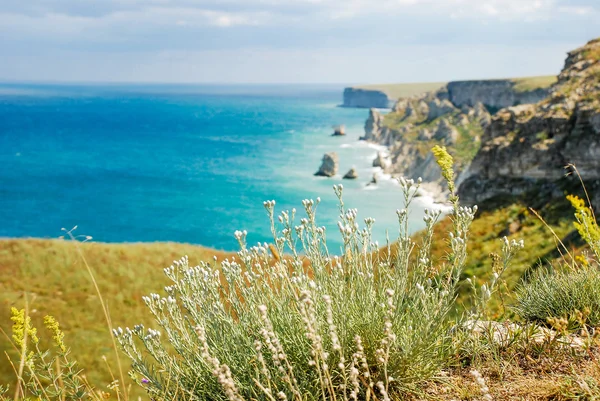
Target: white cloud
<point>155,15</point>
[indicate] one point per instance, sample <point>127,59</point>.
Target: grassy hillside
<point>533,83</point>
<point>53,274</point>
<point>396,91</point>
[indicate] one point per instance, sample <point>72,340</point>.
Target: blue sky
<point>289,41</point>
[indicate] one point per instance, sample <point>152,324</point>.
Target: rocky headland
<point>414,126</point>
<point>525,148</point>
<point>507,137</point>
<point>493,93</point>
<point>366,98</point>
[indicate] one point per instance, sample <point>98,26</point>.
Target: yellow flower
<point>586,224</point>
<point>22,325</point>
<point>445,161</point>
<point>52,325</point>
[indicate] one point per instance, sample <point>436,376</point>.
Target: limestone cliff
<point>525,148</point>
<point>493,93</point>
<point>414,126</point>
<point>366,98</point>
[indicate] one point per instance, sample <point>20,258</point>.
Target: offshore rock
<point>352,174</point>
<point>380,161</point>
<point>339,130</point>
<point>329,165</point>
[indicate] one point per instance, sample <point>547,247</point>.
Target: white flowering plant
<point>306,325</point>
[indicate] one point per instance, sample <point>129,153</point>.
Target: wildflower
<point>586,223</point>
<point>22,327</point>
<point>52,325</point>
<point>445,161</point>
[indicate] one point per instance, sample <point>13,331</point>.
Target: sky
<point>289,41</point>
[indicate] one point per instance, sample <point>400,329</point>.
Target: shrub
<point>564,293</point>
<point>309,325</point>
<point>572,292</point>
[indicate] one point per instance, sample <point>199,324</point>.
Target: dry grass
<point>53,274</point>
<point>532,83</point>
<point>396,91</point>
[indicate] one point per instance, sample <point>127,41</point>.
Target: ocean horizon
<point>182,163</point>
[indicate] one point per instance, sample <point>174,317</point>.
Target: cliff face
<point>525,148</point>
<point>366,98</point>
<point>414,126</point>
<point>492,93</point>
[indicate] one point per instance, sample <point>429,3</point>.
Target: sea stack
<point>352,174</point>
<point>329,166</point>
<point>339,130</point>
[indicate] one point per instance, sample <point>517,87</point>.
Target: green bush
<point>561,293</point>
<point>573,292</point>
<point>306,326</point>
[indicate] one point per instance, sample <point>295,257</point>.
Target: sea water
<point>184,163</point>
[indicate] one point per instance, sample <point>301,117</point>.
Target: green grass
<point>527,84</point>
<point>561,293</point>
<point>53,274</point>
<point>396,91</point>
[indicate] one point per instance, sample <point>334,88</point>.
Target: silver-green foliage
<point>561,293</point>
<point>309,325</point>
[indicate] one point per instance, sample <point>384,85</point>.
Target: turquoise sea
<point>193,163</point>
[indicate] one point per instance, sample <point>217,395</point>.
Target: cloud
<point>99,29</point>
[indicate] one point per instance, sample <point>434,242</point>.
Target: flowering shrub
<point>309,325</point>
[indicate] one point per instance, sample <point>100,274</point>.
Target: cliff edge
<point>525,148</point>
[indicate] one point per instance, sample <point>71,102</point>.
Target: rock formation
<point>457,110</point>
<point>380,161</point>
<point>446,132</point>
<point>495,93</point>
<point>373,126</point>
<point>437,108</point>
<point>482,115</point>
<point>329,165</point>
<point>352,174</point>
<point>340,130</point>
<point>366,98</point>
<point>525,148</point>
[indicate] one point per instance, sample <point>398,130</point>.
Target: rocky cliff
<point>525,148</point>
<point>493,93</point>
<point>366,98</point>
<point>417,124</point>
